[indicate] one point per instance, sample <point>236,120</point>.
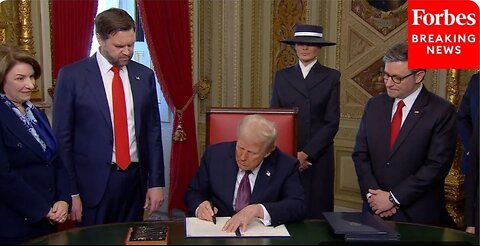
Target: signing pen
<point>214,219</point>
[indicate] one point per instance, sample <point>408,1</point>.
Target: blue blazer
<point>467,116</point>
<point>83,126</point>
<point>29,183</point>
<point>421,157</point>
<point>277,186</point>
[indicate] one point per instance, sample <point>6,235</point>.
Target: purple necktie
<point>244,192</point>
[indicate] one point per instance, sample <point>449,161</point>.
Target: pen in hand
<point>214,219</point>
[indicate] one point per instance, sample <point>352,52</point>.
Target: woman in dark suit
<point>315,90</point>
<point>34,192</point>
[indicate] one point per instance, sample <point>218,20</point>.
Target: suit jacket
<point>467,114</point>
<point>29,183</point>
<point>83,126</point>
<point>277,186</point>
<point>317,98</point>
<point>420,159</point>
<point>471,182</point>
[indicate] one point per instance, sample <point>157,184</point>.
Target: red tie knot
<point>115,69</point>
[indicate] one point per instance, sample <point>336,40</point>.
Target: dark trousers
<point>122,201</point>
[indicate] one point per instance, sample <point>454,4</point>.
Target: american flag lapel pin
<point>137,77</point>
<point>268,173</point>
<point>416,112</point>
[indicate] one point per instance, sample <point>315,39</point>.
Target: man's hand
<point>205,211</point>
<point>154,199</point>
<point>77,209</point>
<point>379,202</point>
<point>302,159</point>
<point>389,213</point>
<point>243,217</point>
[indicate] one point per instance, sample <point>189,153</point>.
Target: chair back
<point>222,124</point>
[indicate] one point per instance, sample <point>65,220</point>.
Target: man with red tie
<point>405,146</point>
<point>106,119</point>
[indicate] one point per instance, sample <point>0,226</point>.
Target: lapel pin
<point>137,77</point>
<point>268,173</point>
<point>416,112</point>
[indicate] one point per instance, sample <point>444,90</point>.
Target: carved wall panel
<point>383,16</point>
<point>286,14</point>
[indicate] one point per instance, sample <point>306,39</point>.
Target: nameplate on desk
<point>195,227</point>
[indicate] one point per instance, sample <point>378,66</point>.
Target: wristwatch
<point>390,198</point>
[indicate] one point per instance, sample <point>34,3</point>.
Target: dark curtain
<point>71,34</point>
<point>166,25</point>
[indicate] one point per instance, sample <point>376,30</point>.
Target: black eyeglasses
<point>395,78</point>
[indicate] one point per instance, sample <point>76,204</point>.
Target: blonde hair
<point>260,128</point>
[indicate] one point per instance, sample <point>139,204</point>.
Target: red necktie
<point>396,123</point>
<point>244,192</point>
<point>122,148</point>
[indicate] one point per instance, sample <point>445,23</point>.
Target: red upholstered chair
<point>222,123</point>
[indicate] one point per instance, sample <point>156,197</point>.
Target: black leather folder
<point>360,226</point>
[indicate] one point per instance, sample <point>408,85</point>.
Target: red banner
<point>443,34</point>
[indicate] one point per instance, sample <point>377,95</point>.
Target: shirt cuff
<point>394,198</point>
<point>368,195</point>
<point>267,220</point>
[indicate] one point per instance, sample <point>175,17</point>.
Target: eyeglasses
<point>395,78</point>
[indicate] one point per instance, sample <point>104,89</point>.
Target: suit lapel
<point>295,78</point>
<point>231,172</point>
<point>385,122</point>
<point>41,117</point>
<point>316,75</point>
<point>137,93</point>
<point>413,116</point>
<point>13,123</point>
<point>267,170</point>
<point>95,80</point>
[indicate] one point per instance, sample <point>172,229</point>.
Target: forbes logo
<point>421,17</point>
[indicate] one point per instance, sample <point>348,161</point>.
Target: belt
<point>114,165</point>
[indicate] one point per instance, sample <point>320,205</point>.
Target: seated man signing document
<point>247,179</point>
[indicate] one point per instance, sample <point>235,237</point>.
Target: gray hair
<point>258,126</point>
<point>398,53</point>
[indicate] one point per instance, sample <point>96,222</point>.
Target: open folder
<point>361,226</point>
<point>195,227</point>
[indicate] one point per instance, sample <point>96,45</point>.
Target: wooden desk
<point>307,232</point>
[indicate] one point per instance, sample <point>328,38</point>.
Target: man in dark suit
<point>466,115</point>
<point>315,90</point>
<point>276,192</point>
<point>110,184</point>
<point>401,172</point>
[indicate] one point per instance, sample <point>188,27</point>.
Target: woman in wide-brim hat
<point>315,90</point>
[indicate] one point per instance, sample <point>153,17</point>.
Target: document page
<point>201,228</point>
